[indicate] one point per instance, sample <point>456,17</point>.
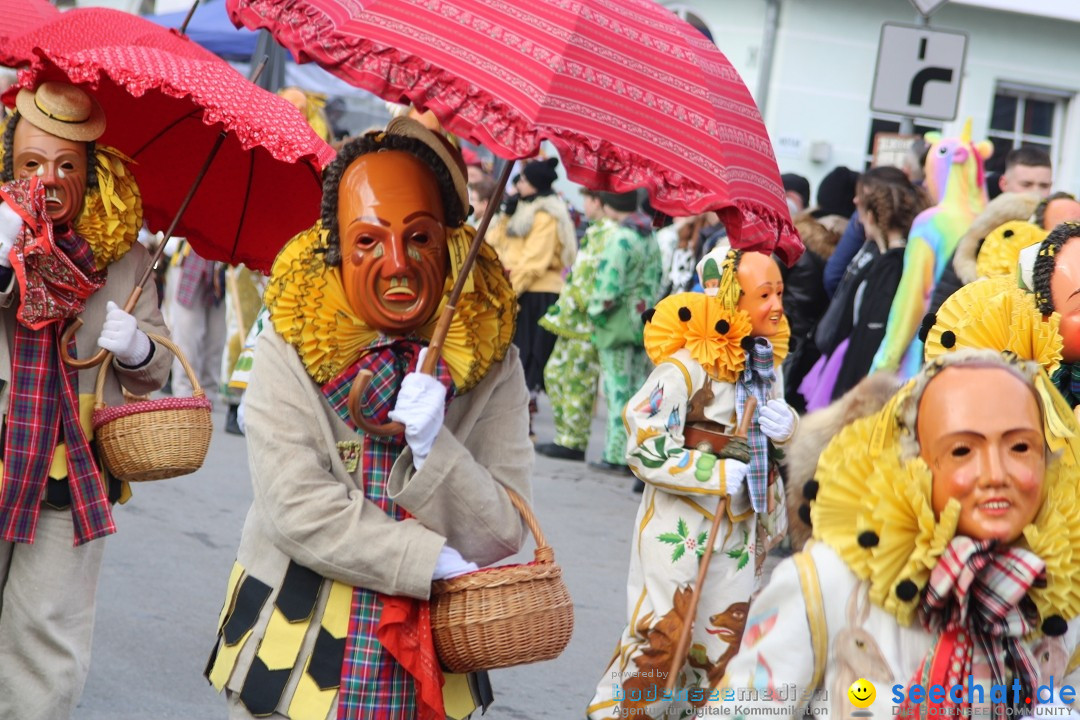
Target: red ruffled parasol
<point>629,94</point>
<point>166,101</point>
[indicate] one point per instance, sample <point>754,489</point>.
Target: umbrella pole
<point>679,657</point>
<point>438,337</point>
<point>77,323</point>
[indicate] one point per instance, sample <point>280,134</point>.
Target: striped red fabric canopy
<point>629,94</point>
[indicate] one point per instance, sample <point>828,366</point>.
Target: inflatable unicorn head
<point>954,168</point>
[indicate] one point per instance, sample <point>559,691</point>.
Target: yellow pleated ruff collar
<point>112,213</point>
<point>308,307</point>
<point>995,314</point>
<point>710,332</point>
<point>874,509</point>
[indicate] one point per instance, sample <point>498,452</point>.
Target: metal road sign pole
<point>907,123</point>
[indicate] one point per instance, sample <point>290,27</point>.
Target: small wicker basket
<point>503,616</point>
<point>153,439</point>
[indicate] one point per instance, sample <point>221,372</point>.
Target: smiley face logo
<point>862,693</point>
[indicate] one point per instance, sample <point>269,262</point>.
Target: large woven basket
<point>503,616</point>
<point>153,439</point>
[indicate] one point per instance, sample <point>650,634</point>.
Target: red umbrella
<point>167,101</point>
<point>22,16</point>
<point>629,94</point>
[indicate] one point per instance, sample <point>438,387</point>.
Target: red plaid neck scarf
<point>978,594</point>
<point>55,278</point>
<point>390,671</point>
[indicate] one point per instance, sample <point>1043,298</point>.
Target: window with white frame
<point>1025,116</point>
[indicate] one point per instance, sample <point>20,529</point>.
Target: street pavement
<point>165,572</point>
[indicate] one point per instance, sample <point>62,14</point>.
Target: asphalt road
<point>165,572</point>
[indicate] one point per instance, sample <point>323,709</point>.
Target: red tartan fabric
<point>383,643</point>
<point>44,397</point>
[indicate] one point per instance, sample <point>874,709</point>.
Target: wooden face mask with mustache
<point>60,164</point>
<point>391,224</point>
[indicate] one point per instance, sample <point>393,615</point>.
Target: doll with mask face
<point>350,526</point>
<point>944,525</point>
<point>712,351</point>
<point>61,255</point>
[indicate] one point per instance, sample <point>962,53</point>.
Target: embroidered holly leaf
<point>733,553</point>
<point>678,552</point>
<point>702,538</point>
<point>744,557</point>
<point>670,538</point>
<point>683,531</point>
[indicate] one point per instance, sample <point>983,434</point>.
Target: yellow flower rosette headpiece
<point>309,309</point>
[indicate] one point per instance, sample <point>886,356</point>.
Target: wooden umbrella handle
<point>438,337</point>
<point>749,407</point>
<point>681,649</point>
<point>683,646</point>
<point>76,323</point>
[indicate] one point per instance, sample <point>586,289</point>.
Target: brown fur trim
<point>1000,210</point>
<point>814,433</point>
<point>819,236</point>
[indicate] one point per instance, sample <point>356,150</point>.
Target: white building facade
<point>1021,75</point>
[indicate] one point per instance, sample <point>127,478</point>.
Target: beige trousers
<point>47,600</point>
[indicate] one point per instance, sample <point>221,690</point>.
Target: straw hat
<point>63,110</point>
<point>450,156</point>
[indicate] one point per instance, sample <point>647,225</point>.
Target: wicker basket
<point>153,439</point>
<point>503,616</point>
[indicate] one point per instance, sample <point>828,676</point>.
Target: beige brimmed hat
<point>63,110</point>
<point>407,127</point>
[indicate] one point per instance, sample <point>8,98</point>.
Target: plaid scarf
<point>390,671</point>
<point>55,278</point>
<point>978,594</point>
<point>1067,380</point>
<point>757,379</point>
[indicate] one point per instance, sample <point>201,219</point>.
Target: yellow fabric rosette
<point>308,308</point>
<point>710,332</point>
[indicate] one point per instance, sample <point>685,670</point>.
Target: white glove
<point>451,564</point>
<point>10,225</point>
<point>420,406</point>
<point>735,473</point>
<point>121,336</point>
<point>777,420</point>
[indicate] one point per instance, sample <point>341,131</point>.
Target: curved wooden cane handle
<point>360,384</point>
<point>73,327</point>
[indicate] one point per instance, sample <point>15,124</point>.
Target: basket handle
<point>99,385</point>
<point>543,552</point>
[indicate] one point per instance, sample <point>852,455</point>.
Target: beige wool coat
<point>309,507</point>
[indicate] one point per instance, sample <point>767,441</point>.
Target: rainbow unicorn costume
<point>955,178</point>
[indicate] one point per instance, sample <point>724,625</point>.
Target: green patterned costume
<point>572,371</point>
<point>628,278</point>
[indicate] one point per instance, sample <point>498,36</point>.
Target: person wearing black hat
<point>536,242</point>
<point>628,280</point>
<point>797,192</point>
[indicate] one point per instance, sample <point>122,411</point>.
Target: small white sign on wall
<point>788,146</point>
